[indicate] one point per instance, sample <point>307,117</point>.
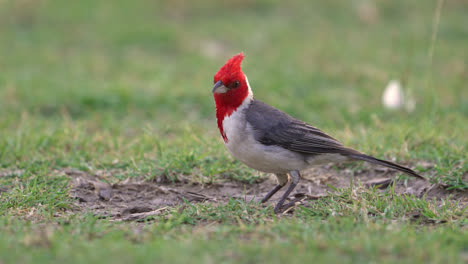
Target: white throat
<point>235,123</point>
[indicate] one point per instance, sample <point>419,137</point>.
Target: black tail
<point>386,164</point>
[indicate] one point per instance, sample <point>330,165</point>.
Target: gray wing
<point>274,127</point>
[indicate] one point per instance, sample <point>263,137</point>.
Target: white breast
<point>243,146</point>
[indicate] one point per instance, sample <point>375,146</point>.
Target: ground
<point>138,200</point>
<point>109,150</point>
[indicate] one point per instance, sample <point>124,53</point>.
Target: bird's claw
<point>283,208</point>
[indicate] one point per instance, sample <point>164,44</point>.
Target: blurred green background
<point>85,83</point>
<point>123,89</point>
<point>117,67</point>
<point>326,62</point>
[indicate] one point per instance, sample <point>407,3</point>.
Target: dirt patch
<point>135,200</point>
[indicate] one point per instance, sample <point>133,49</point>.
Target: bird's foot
<point>300,197</point>
<point>285,207</point>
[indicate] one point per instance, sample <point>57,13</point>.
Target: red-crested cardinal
<point>269,140</point>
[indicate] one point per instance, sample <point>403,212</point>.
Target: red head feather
<point>233,78</point>
<point>231,70</point>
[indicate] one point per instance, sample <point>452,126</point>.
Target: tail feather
<point>385,163</point>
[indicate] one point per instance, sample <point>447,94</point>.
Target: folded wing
<point>274,127</point>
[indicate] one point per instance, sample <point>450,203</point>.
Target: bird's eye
<point>236,84</point>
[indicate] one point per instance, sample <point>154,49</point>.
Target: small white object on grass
<point>392,97</point>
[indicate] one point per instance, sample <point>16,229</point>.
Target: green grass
<point>125,86</point>
<point>339,227</point>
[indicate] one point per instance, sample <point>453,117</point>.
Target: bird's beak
<point>219,87</point>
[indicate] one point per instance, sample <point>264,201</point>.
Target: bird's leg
<point>282,180</point>
<point>270,194</point>
<point>295,176</point>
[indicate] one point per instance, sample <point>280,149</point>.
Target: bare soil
<point>137,199</point>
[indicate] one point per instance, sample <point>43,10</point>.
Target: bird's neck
<point>230,102</point>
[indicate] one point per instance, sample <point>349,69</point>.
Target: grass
<point>124,87</point>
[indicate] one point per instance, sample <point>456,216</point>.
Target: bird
<point>269,140</point>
